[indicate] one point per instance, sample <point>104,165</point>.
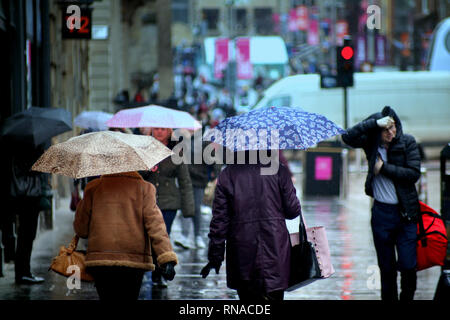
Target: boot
<point>408,285</point>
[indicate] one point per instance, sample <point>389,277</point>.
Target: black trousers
<point>117,283</point>
<point>28,215</point>
<point>9,236</point>
<point>395,244</point>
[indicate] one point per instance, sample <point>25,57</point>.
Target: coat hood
<point>388,111</point>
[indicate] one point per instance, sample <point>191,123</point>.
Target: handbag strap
<point>302,230</point>
<point>422,231</point>
<point>73,244</point>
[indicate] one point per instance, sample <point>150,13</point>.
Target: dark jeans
<point>391,232</point>
<point>117,283</point>
<point>197,218</point>
<point>28,214</point>
<point>169,216</point>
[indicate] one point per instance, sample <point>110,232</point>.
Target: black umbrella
<point>36,125</point>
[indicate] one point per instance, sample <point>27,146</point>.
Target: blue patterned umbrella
<point>273,128</point>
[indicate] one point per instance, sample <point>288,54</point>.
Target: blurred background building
<point>139,51</point>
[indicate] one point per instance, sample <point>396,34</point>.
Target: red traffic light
<point>347,53</point>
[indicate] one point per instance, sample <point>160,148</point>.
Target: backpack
<point>431,238</point>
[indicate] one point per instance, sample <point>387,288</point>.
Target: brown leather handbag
<point>67,257</point>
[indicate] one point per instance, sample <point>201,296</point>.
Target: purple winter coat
<point>249,212</point>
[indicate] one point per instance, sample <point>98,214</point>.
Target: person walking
<point>200,174</point>
<point>173,189</point>
<point>394,167</point>
<point>248,221</point>
<point>172,181</point>
<point>25,196</point>
<point>123,224</point>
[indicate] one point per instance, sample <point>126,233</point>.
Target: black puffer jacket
<point>403,165</point>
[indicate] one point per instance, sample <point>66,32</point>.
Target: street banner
<point>244,66</point>
<point>361,50</point>
<point>292,20</point>
<point>380,50</point>
<point>220,57</point>
<point>313,32</point>
<point>302,18</point>
<point>341,31</point>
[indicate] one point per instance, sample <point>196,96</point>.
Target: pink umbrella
<point>153,116</point>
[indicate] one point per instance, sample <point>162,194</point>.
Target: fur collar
<point>132,174</point>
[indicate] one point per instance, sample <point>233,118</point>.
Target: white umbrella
<point>103,152</point>
<point>95,120</point>
<point>153,116</point>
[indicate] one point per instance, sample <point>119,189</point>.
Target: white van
<point>439,55</point>
<point>421,99</point>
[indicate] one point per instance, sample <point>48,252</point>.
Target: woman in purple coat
<point>249,212</point>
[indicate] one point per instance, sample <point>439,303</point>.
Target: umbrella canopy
<point>273,128</point>
<point>103,152</point>
<point>95,120</point>
<point>153,116</point>
<point>36,125</point>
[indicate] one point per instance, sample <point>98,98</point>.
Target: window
<point>283,101</point>
<point>211,16</point>
<point>263,21</point>
<point>240,18</point>
<point>180,11</point>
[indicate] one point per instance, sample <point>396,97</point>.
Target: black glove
<point>207,268</point>
<point>168,271</point>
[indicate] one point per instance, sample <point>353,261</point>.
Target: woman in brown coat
<point>119,217</point>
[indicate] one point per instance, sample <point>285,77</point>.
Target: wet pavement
<point>347,223</point>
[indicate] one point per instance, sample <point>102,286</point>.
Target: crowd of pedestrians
<point>249,210</point>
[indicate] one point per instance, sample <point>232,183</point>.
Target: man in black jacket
<point>394,168</point>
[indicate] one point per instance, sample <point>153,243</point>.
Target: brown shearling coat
<point>119,217</point>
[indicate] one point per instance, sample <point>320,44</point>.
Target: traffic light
<point>345,57</point>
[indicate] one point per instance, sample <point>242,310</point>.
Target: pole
<point>345,108</point>
<point>333,35</point>
<point>165,60</point>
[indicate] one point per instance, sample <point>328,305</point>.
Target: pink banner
<point>302,18</point>
<point>341,31</point>
<point>292,21</point>
<point>361,50</point>
<point>244,66</point>
<point>380,50</point>
<point>313,32</point>
<point>220,57</point>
